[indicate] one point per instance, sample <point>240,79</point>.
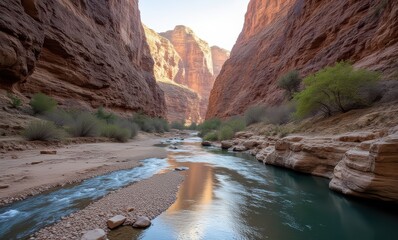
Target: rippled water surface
<point>19,220</point>
<point>226,196</point>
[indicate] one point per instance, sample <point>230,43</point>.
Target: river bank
<point>28,173</point>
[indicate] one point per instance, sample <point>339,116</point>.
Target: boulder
<point>96,234</point>
<point>49,152</point>
<point>142,222</point>
<point>226,144</point>
<point>239,148</point>
<point>181,168</point>
<point>115,221</point>
<point>206,143</point>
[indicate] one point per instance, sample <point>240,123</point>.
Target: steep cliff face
<point>197,60</point>
<point>279,36</point>
<point>185,68</point>
<point>84,53</point>
<point>182,102</point>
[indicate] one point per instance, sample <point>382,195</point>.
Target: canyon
<point>85,54</point>
<point>185,68</point>
<point>280,36</point>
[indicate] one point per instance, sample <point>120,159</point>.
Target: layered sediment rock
<point>197,58</point>
<point>279,36</point>
<point>370,170</point>
<point>185,68</point>
<point>362,164</point>
<point>83,53</point>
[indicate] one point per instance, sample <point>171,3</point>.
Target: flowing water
<point>21,219</point>
<point>230,196</point>
<point>224,196</point>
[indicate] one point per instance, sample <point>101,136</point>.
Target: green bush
<point>116,132</point>
<point>255,114</point>
<point>160,125</point>
<point>42,103</point>
<point>59,117</point>
<point>15,102</point>
<point>336,88</point>
<point>144,122</point>
<point>180,125</point>
<point>208,126</point>
<point>225,133</point>
<point>211,136</point>
<point>85,125</point>
<point>43,131</point>
<point>290,82</point>
<point>103,115</point>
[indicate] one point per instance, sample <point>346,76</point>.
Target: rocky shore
<point>363,164</point>
<point>145,198</point>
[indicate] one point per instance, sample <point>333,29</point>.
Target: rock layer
<point>363,164</point>
<point>84,53</point>
<point>279,36</point>
<point>197,60</point>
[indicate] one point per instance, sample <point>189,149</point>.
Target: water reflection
<point>226,196</point>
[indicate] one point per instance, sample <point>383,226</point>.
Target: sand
<point>148,197</point>
<point>27,173</point>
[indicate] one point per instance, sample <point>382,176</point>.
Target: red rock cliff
<point>86,52</point>
<point>279,36</point>
<point>197,60</point>
<point>182,102</point>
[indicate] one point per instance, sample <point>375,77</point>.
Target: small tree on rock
<point>290,82</point>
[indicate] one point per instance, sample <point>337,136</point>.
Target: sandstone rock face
<point>279,36</point>
<point>201,66</point>
<point>84,53</point>
<point>370,170</point>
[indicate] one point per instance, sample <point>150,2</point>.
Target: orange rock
<point>279,36</point>
<point>84,55</point>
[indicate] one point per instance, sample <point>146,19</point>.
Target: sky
<point>218,22</point>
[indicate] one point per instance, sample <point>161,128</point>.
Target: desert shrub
<point>236,123</point>
<point>226,132</point>
<point>116,132</point>
<point>42,103</point>
<point>144,122</point>
<point>43,131</point>
<point>255,114</point>
<point>103,115</point>
<point>336,88</point>
<point>211,136</point>
<point>279,114</point>
<point>290,82</point>
<point>129,125</point>
<point>15,102</point>
<point>59,117</point>
<point>85,125</point>
<point>180,125</point>
<point>193,126</point>
<point>160,125</point>
<point>208,126</point>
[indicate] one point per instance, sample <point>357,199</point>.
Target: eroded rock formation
<point>185,68</point>
<point>362,164</point>
<point>83,53</point>
<point>279,36</point>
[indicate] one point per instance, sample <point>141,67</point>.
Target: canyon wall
<point>185,68</point>
<point>84,53</point>
<point>197,58</point>
<point>279,36</point>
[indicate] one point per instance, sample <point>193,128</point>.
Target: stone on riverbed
<point>115,221</point>
<point>142,222</point>
<point>173,147</point>
<point>96,234</point>
<point>226,144</point>
<point>50,152</point>
<point>206,143</point>
<point>181,168</point>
